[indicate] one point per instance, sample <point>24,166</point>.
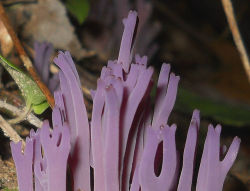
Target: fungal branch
<point>24,57</point>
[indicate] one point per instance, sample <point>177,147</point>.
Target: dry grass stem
<point>31,118</point>
<point>9,131</point>
<point>228,8</point>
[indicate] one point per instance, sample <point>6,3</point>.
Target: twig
<point>14,2</point>
<point>9,131</point>
<point>24,57</point>
<point>228,8</point>
<point>32,119</point>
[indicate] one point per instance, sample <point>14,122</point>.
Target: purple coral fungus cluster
<point>121,142</point>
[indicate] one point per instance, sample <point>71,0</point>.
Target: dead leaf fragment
<point>5,40</point>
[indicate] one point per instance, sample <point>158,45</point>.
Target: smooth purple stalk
<point>213,171</point>
<point>127,40</point>
<point>186,177</point>
<point>56,146</point>
<point>111,144</point>
<point>77,120</point>
<point>96,136</point>
<point>147,177</point>
<point>38,161</point>
<point>23,163</point>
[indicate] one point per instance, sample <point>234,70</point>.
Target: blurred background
<point>193,36</point>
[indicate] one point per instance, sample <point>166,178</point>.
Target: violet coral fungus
<point>43,51</point>
<point>124,134</point>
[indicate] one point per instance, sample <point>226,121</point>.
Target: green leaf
<point>221,112</point>
<point>79,9</point>
<point>30,91</point>
<point>39,109</point>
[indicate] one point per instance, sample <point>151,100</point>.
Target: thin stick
<point>24,57</point>
<point>31,118</point>
<point>9,131</point>
<point>228,8</point>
